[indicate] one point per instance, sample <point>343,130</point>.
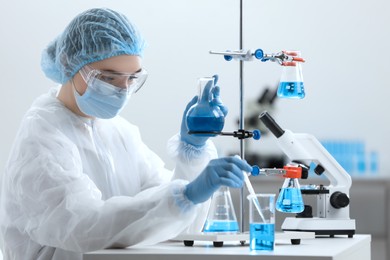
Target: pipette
<point>252,195</point>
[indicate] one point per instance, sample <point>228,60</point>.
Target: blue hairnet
<point>93,35</point>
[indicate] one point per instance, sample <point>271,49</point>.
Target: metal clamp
<point>240,134</point>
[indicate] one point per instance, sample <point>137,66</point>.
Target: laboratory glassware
<point>252,195</point>
<point>291,82</point>
<point>205,117</point>
<point>290,196</point>
<point>221,217</point>
<point>262,227</point>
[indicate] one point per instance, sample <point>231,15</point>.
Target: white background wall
<point>346,45</point>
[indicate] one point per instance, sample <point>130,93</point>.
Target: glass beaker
<point>290,196</point>
<point>221,216</point>
<point>291,82</point>
<point>205,117</point>
<point>262,224</point>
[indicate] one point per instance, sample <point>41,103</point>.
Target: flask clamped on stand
<point>291,82</point>
<point>290,196</point>
<point>221,217</point>
<point>205,117</point>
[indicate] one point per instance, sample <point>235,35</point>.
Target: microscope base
<point>321,226</point>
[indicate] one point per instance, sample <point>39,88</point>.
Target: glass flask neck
<point>292,73</point>
<point>291,183</point>
<point>202,83</point>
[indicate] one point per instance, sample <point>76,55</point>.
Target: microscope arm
<point>306,148</point>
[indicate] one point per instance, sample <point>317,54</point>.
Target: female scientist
<point>79,178</point>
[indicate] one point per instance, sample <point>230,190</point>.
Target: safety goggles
<point>123,81</point>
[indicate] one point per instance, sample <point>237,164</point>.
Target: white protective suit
<point>74,185</point>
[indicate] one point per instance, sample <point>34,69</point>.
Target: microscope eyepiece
<point>270,123</point>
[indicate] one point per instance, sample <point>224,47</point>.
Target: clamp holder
<point>240,134</point>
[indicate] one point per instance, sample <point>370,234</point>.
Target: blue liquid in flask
<point>208,124</point>
<point>220,226</point>
<point>290,201</point>
<point>291,90</point>
<point>262,236</point>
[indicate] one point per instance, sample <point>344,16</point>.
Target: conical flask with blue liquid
<point>205,117</point>
<point>221,217</point>
<point>290,196</point>
<point>291,82</point>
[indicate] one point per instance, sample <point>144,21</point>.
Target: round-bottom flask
<point>205,117</point>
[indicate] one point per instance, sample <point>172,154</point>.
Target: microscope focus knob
<point>339,200</point>
<point>319,169</point>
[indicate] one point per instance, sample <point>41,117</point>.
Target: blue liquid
<point>220,226</point>
<point>290,201</point>
<point>262,236</point>
<point>208,124</point>
<point>291,90</point>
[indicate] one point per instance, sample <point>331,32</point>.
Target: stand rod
<point>242,141</point>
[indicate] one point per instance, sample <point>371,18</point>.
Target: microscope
<point>332,201</point>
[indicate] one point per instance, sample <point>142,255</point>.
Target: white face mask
<point>101,99</point>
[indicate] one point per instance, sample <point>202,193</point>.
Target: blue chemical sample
<point>291,90</point>
<point>206,115</point>
<point>290,201</point>
<point>208,124</point>
<point>220,226</point>
<point>262,236</point>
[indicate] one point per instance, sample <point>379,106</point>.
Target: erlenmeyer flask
<point>205,117</point>
<point>290,197</point>
<point>221,216</point>
<point>291,82</point>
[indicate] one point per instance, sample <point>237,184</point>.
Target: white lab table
<point>320,248</point>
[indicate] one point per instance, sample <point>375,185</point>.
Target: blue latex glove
<point>227,171</point>
<point>199,140</point>
<point>216,98</point>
